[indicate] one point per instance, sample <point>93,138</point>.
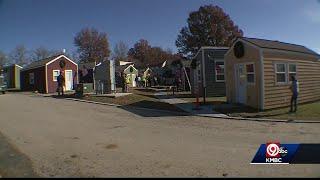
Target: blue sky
<point>54,23</point>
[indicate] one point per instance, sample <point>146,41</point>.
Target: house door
<point>241,83</point>
<point>68,80</point>
<point>133,80</point>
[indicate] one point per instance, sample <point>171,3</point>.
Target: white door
<point>68,80</point>
<point>133,79</point>
<point>241,83</point>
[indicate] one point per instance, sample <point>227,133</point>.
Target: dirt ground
<point>74,139</point>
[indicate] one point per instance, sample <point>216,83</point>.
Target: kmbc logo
<point>274,152</point>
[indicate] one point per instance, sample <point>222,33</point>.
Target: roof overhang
<point>59,58</point>
<point>210,47</point>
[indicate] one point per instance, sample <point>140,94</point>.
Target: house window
<point>31,78</point>
<point>292,71</point>
<point>219,68</point>
<point>281,76</point>
<point>250,73</point>
<point>55,73</point>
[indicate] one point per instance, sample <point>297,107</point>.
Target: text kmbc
<point>274,153</point>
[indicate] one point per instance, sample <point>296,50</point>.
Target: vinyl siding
<point>308,75</point>
<point>213,88</point>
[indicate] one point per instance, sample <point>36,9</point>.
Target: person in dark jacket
<point>295,91</point>
<point>60,80</point>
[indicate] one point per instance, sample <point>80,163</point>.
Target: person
<point>128,80</point>
<point>295,91</point>
<point>60,80</point>
<point>123,82</point>
<point>137,81</point>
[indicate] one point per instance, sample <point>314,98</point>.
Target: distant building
<point>12,76</point>
<point>128,69</point>
<point>208,72</point>
<point>42,75</point>
<point>104,77</point>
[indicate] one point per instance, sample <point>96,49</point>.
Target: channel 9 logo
<point>275,153</point>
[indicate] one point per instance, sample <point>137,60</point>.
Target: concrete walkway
<point>204,110</point>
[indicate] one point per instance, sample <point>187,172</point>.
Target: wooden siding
<point>251,55</point>
<point>308,75</point>
<point>53,85</point>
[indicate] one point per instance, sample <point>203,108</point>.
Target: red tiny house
<point>44,74</point>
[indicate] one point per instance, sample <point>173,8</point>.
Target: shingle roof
<point>270,44</point>
<point>40,63</point>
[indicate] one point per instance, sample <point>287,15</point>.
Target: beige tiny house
<point>258,73</point>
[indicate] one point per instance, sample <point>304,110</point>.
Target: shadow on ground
<point>12,162</point>
<point>154,109</point>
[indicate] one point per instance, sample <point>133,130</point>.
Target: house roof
<point>209,47</point>
<point>40,63</point>
<point>271,44</point>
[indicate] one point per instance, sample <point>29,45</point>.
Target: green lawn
<point>309,111</point>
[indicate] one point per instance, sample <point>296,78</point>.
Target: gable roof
<point>271,44</point>
<point>44,62</point>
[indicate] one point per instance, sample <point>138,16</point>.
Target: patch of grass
<point>310,111</point>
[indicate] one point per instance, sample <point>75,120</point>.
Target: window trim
<point>224,70</point>
<point>285,73</point>
<point>53,74</point>
<point>254,73</point>
<point>291,72</point>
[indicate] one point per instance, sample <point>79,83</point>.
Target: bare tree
<point>3,59</point>
<point>41,53</point>
<point>20,55</point>
<point>120,52</point>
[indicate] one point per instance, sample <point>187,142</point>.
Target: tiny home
<point>208,73</point>
<point>177,72</point>
<point>259,73</point>
<point>12,76</point>
<point>104,77</point>
<point>128,69</point>
<point>42,75</point>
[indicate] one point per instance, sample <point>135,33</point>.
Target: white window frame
<point>216,73</point>
<point>254,73</point>
<point>285,73</point>
<point>31,75</point>
<point>56,70</point>
<point>289,72</point>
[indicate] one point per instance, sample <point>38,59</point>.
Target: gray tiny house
<point>207,75</point>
